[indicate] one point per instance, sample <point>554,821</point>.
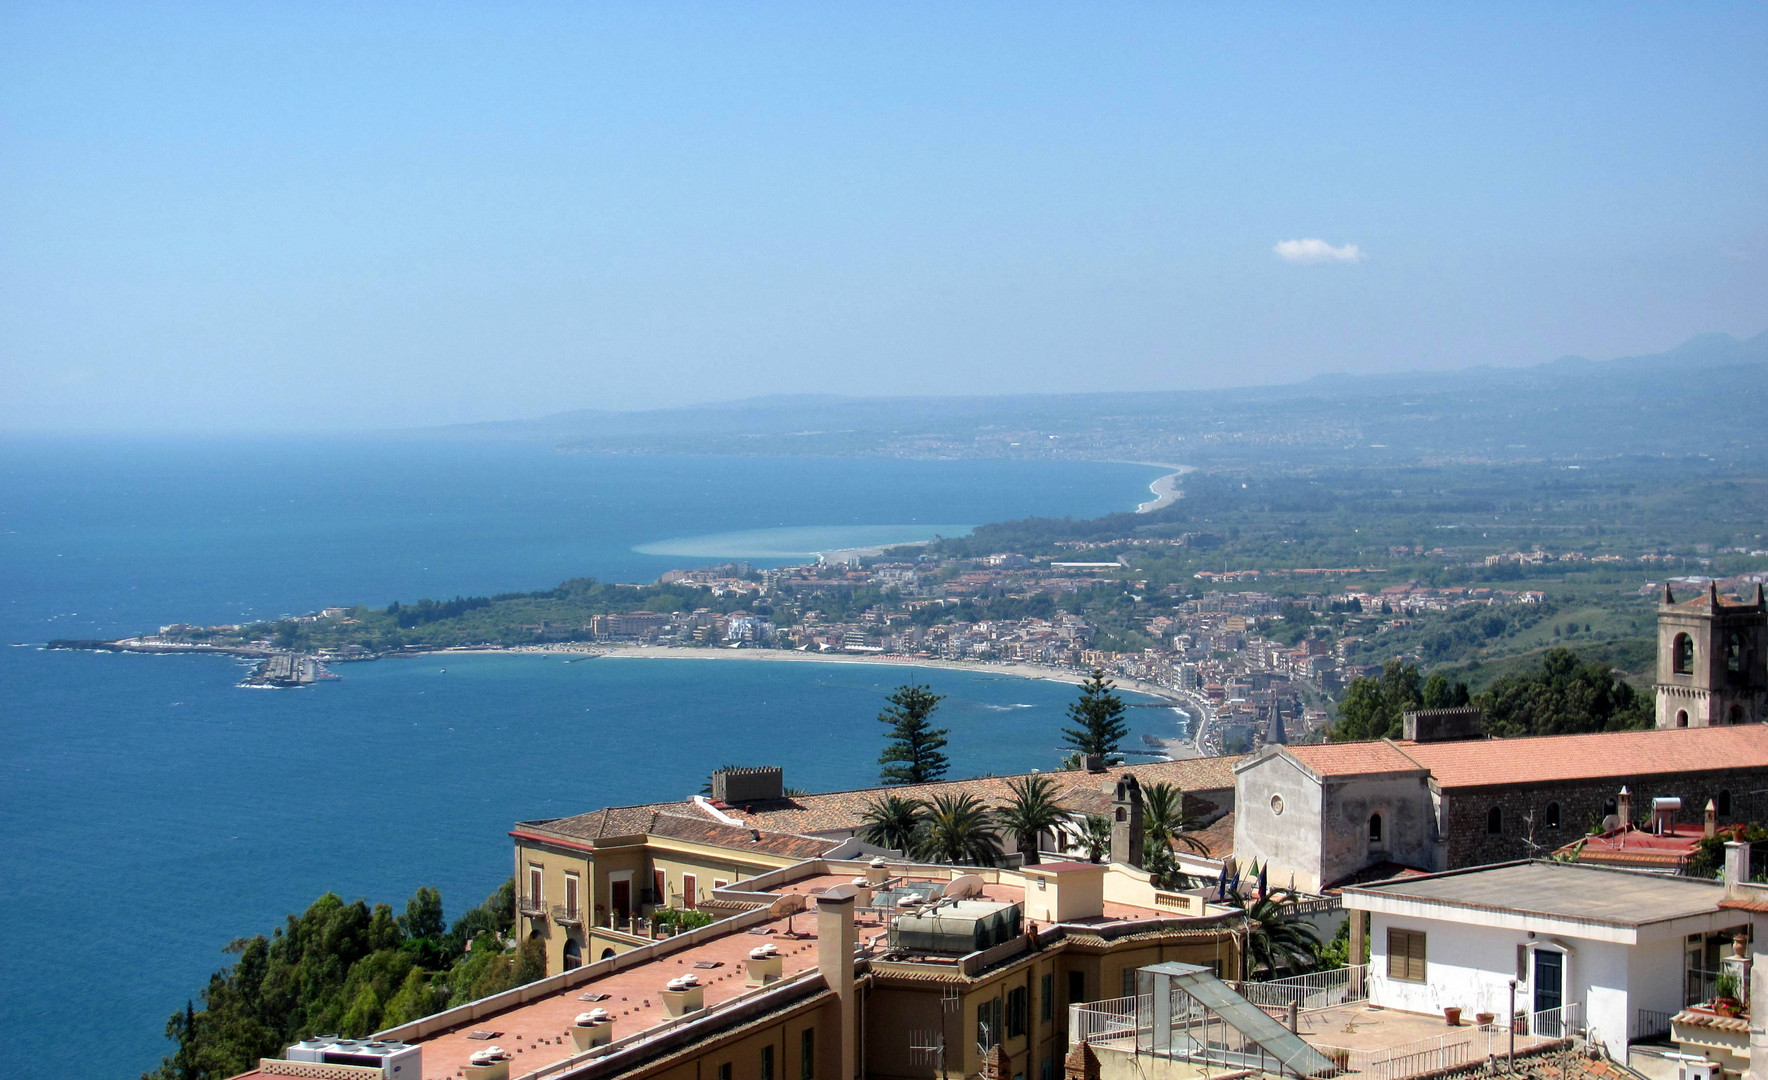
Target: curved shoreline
<point>1176,748</point>
<point>1166,488</point>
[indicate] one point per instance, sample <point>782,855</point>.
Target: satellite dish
<point>789,904</point>
<point>963,887</point>
<point>1611,823</point>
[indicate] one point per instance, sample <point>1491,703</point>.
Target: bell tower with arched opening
<point>1712,660</point>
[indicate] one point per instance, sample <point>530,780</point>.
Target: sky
<point>308,217</point>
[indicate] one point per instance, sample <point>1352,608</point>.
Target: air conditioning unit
<point>395,1060</point>
<point>1698,1070</point>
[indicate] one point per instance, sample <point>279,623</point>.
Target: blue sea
<point>153,811</point>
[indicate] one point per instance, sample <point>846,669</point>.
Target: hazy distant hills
<point>1706,397</point>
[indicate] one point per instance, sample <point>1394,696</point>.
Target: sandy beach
<point>1176,748</point>
<point>1166,488</point>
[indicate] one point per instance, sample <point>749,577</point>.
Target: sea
<point>153,811</point>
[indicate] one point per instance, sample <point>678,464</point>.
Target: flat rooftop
<point>539,1033</point>
<point>1567,890</point>
<point>1007,894</point>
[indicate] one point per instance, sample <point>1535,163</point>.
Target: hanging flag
<point>1263,891</point>
<point>1222,885</point>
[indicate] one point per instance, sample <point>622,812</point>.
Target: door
<point>1549,992</point>
<point>690,890</point>
<point>622,897</point>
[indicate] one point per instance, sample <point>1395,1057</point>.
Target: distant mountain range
<point>1708,396</point>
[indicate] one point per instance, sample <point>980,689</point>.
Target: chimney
<point>1093,763</point>
<point>1081,1063</point>
<point>994,1063</point>
<point>1712,820</point>
<point>836,940</point>
<point>1624,807</point>
<point>1737,865</point>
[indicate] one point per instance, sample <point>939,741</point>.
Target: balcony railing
<point>1316,990</point>
<point>567,915</point>
<point>531,906</point>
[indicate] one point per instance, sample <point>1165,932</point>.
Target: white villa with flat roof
<point>1612,951</point>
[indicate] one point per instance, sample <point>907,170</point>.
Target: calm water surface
<point>153,810</point>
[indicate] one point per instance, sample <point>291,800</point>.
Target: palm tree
<point>1164,818</point>
<point>892,821</point>
<point>1074,761</point>
<point>958,829</point>
<point>1094,834</point>
<point>1158,861</point>
<point>1031,812</point>
<point>1276,938</point>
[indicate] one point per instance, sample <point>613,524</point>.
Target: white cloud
<point>1317,251</point>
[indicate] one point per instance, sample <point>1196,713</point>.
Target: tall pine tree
<point>912,755</point>
<point>1098,716</point>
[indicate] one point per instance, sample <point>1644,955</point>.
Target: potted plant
<point>1725,1001</point>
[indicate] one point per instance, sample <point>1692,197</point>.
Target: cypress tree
<point>912,754</point>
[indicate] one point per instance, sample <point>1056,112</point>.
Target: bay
<point>153,810</point>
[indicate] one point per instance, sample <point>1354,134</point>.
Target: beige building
<point>1712,660</point>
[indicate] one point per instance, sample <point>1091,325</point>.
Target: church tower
<point>1712,660</point>
<point>1126,822</point>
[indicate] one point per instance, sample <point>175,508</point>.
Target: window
<point>1077,988</point>
<point>571,884</point>
<point>1405,955</point>
<point>807,1054</point>
<point>1277,805</point>
<point>1494,821</point>
<point>767,1062</point>
<point>659,888</point>
<point>988,1023</point>
<point>534,883</point>
<point>1375,829</point>
<point>1047,1070</point>
<point>1018,1011</point>
<point>1682,655</point>
<point>690,890</point>
<point>1522,963</point>
<point>1046,994</point>
<point>724,1071</point>
<point>1550,817</point>
<point>1734,653</point>
<point>1129,982</point>
<point>1723,803</point>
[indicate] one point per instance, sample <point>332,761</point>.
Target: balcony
<point>531,906</point>
<point>567,915</point>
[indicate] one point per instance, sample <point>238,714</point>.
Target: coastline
<point>1166,488</point>
<point>1175,748</point>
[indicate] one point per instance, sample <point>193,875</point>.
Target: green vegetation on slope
<point>343,968</point>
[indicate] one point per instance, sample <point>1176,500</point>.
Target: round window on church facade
<point>1276,804</point>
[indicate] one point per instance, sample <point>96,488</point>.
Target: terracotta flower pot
<point>1452,1014</point>
<point>1485,1018</point>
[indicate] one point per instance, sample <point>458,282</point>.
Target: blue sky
<point>280,217</point>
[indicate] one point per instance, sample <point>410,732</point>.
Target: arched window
<point>1681,717</point>
<point>1723,803</point>
<point>1375,828</point>
<point>1734,653</point>
<point>1682,655</point>
<point>1121,816</point>
<point>1494,821</point>
<point>1550,818</point>
<point>607,953</point>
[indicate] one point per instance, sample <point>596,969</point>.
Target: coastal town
<point>1245,667</point>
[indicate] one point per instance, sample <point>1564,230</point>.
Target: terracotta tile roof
<point>1609,754</point>
<point>681,821</point>
<point>1353,758</point>
<point>1079,792</point>
<point>1217,837</point>
<point>1695,1016</point>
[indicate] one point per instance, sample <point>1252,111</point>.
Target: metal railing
<point>1650,1024</point>
<point>532,906</point>
<point>566,915</point>
<point>1456,1047</point>
<point>1113,1020</point>
<point>1315,990</point>
<point>1701,985</point>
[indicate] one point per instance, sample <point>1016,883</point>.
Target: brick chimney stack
<point>1081,1063</point>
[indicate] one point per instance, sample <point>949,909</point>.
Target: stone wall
<point>1466,810</point>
